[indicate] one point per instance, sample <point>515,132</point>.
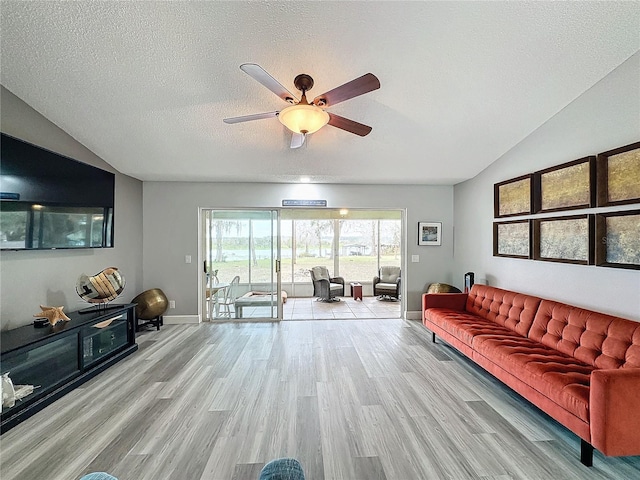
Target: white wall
<point>171,228</point>
<point>604,117</point>
<point>31,278</point>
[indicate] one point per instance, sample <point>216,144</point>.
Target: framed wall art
<point>619,176</point>
<point>565,187</point>
<point>512,239</point>
<point>618,239</point>
<point>512,197</point>
<point>429,233</point>
<point>564,239</point>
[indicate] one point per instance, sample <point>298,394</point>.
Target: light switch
<point>415,258</point>
<point>187,259</point>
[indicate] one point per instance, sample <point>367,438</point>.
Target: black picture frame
<point>618,239</point>
<point>567,239</point>
<point>618,172</point>
<point>513,197</point>
<point>512,239</point>
<point>568,186</point>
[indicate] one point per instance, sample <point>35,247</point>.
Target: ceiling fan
<point>304,118</point>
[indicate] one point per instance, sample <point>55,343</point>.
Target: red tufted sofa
<point>580,367</point>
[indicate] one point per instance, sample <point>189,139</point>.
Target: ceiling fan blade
<point>248,118</point>
<point>260,75</point>
<point>354,88</point>
<point>349,125</point>
<point>297,140</point>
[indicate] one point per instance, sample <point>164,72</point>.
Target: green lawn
<point>352,268</point>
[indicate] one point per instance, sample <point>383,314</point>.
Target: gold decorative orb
<point>151,304</point>
<point>442,288</point>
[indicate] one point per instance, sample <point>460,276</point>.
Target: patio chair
<point>387,284</point>
<point>326,288</point>
<point>230,295</point>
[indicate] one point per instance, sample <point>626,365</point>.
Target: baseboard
<point>413,315</point>
<point>180,319</point>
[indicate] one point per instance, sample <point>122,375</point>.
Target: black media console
<point>56,359</point>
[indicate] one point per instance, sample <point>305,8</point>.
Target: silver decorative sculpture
<point>102,287</point>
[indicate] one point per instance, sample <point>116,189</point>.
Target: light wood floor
<point>351,399</point>
<point>307,308</point>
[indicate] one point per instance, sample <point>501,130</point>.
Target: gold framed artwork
<point>619,176</point>
<point>564,239</point>
<point>618,239</point>
<point>565,187</point>
<point>512,239</point>
<point>512,197</point>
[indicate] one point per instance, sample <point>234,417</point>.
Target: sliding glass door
<point>353,244</point>
<point>249,258</point>
<point>241,265</point>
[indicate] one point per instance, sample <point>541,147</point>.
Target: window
<point>358,250</point>
<point>313,246</point>
<point>228,247</point>
<point>353,247</point>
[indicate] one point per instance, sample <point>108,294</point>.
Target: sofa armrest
<point>453,301</point>
<point>337,280</point>
<point>614,406</point>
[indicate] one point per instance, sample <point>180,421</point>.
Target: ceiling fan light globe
<point>303,118</point>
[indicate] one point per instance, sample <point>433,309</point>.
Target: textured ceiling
<point>145,85</point>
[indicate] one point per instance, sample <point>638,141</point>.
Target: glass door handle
<point>277,266</point>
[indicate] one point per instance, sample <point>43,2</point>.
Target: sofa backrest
<point>515,311</point>
<point>600,340</point>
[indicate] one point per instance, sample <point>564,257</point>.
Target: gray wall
<point>171,228</point>
<point>28,279</point>
<point>604,117</point>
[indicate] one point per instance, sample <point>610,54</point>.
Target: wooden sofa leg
<point>586,453</point>
<point>433,337</point>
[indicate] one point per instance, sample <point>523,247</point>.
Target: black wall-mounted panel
<point>50,201</point>
<point>39,176</point>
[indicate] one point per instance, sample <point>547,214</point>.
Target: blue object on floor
<point>282,469</point>
<point>98,476</point>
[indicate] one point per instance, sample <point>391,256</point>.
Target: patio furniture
<point>257,299</point>
<point>229,298</point>
<point>326,288</point>
<point>387,284</point>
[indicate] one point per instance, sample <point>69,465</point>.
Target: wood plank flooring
<point>351,399</point>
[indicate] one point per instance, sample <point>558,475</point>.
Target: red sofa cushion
<point>599,340</point>
<point>462,325</point>
<point>512,310</point>
<point>559,377</point>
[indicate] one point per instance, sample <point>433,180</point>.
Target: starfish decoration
<point>53,314</point>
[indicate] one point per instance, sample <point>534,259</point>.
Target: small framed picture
<point>429,233</point>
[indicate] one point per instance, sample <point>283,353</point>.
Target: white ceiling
<point>145,85</point>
